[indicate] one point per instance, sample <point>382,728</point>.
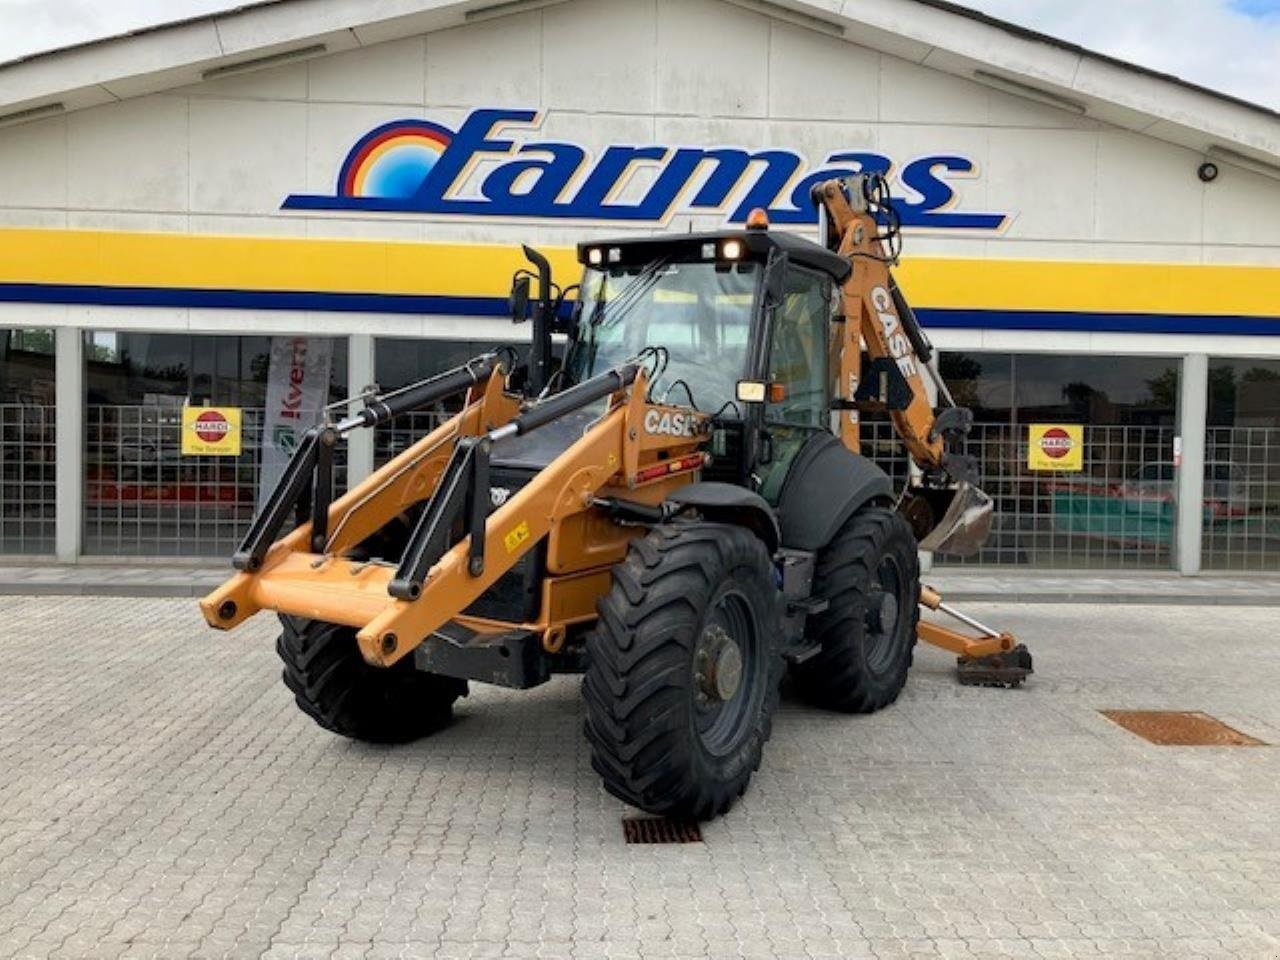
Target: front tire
<point>683,669</point>
<point>869,574</point>
<point>336,688</point>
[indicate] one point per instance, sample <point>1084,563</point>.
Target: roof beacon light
<point>757,219</point>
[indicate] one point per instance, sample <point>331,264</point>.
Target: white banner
<point>297,392</point>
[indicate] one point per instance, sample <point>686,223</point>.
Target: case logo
<point>670,424</point>
<point>485,169</point>
<point>899,345</point>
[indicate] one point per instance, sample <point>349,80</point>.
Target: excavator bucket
<point>965,524</point>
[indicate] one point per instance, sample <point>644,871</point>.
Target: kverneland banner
<point>297,391</point>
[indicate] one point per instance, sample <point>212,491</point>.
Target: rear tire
<point>333,685</point>
<point>683,669</point>
<point>866,641</point>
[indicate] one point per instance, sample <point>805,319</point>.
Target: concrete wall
<point>220,157</point>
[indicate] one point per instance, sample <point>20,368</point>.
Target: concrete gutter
<point>1004,586</point>
<point>1076,586</point>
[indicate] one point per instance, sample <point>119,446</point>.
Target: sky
<point>1227,45</point>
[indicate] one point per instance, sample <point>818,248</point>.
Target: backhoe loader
<point>678,508</point>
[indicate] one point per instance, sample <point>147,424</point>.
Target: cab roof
<point>638,251</point>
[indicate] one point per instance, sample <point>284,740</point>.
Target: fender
<point>726,503</point>
<point>827,484</point>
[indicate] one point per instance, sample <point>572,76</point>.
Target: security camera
<point>1208,172</point>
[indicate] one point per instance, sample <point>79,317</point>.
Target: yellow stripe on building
<point>180,261</point>
<point>1092,287</point>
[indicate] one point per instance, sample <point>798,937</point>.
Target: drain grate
<point>660,830</point>
<point>1173,728</point>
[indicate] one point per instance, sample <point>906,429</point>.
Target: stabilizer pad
<point>996,670</point>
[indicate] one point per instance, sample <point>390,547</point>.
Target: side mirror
<point>519,300</point>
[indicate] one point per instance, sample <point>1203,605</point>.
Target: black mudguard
<point>826,485</point>
<point>726,503</point>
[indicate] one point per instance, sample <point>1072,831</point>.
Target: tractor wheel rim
<point>883,616</point>
<point>724,662</point>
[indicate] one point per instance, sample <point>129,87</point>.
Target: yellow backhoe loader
<point>678,509</point>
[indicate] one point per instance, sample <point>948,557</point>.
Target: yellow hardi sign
<point>211,431</point>
<point>1055,446</point>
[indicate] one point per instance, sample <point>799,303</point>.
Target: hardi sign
<point>211,431</point>
<point>491,167</point>
<point>1055,446</point>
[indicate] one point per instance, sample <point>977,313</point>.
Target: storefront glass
<point>143,496</point>
<point>26,442</point>
<point>1101,515</point>
<point>1242,466</point>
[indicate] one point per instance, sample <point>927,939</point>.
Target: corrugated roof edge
<point>140,32</point>
<point>946,6</point>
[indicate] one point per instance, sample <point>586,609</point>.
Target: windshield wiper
<point>629,295</point>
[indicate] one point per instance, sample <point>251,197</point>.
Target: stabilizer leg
<point>993,660</point>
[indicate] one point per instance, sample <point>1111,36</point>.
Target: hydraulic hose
<point>910,325</point>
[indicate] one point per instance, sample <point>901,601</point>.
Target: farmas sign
<point>490,168</point>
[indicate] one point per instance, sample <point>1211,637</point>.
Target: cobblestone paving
<point>161,796</point>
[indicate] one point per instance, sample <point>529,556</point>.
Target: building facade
<point>268,210</point>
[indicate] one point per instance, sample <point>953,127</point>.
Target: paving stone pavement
<point>161,796</point>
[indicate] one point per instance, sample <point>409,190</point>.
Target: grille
<point>394,438</point>
<point>1107,516</point>
<point>1242,499</point>
<point>660,830</point>
<point>1171,728</point>
<point>26,479</point>
<point>516,596</point>
<point>144,498</point>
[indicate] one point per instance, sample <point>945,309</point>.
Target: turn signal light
<point>777,392</point>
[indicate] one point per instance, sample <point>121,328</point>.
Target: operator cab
<point>722,308</point>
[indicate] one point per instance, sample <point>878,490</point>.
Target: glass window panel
<point>1118,512</point>
<point>27,502</point>
<point>1241,518</point>
<point>142,496</point>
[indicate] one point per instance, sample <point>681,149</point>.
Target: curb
<point>135,590</point>
<point>1131,599</point>
<point>958,594</point>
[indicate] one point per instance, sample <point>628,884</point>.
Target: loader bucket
<point>965,520</point>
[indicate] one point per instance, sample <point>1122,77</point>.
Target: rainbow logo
<point>392,161</point>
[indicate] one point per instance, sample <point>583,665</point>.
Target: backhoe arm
<point>875,312</point>
<point>946,510</point>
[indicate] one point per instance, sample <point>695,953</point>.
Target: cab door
<point>799,365</point>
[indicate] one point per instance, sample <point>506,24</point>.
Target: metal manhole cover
<point>1174,728</point>
<point>660,830</point>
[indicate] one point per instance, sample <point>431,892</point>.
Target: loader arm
<point>290,562</point>
<point>395,609</point>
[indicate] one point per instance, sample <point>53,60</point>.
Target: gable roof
<point>935,33</point>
